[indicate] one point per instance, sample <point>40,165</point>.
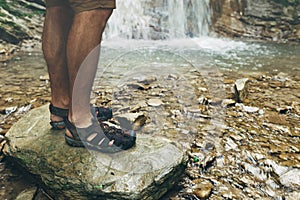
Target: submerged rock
<point>146,171</point>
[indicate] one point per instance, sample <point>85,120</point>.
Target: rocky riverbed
<point>241,144</point>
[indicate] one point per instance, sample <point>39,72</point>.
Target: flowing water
<point>159,19</point>
<point>187,66</point>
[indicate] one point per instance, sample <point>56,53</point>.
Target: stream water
<point>188,68</point>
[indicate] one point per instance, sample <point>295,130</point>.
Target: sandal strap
<point>103,113</point>
<point>58,125</point>
<point>86,134</point>
<point>61,112</point>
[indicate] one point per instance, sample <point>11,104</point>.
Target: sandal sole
<point>76,143</point>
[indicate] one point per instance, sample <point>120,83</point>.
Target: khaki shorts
<point>83,5</point>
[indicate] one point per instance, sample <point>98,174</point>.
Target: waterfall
<point>177,18</point>
<point>159,19</point>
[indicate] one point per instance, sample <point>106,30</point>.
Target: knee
<point>96,18</point>
<point>52,53</point>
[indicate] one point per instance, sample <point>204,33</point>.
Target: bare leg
<point>56,29</point>
<point>83,50</point>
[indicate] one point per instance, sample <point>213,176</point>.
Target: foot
<point>99,136</point>
<point>58,115</point>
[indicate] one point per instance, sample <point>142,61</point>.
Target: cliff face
<point>21,24</point>
<point>277,20</point>
<point>20,20</point>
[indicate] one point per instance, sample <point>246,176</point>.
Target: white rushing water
<point>159,19</point>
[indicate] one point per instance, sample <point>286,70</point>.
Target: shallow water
<point>177,65</point>
<point>205,52</point>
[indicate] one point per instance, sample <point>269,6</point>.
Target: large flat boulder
<point>146,171</point>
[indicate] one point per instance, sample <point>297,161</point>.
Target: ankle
<point>62,103</point>
<point>81,120</point>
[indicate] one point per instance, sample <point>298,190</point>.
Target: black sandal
<point>101,113</point>
<point>98,137</point>
<point>60,112</point>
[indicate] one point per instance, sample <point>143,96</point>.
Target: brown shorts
<point>83,5</point>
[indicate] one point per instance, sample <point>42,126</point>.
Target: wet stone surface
<point>146,171</point>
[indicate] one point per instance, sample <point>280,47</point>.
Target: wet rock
<point>203,89</point>
<point>146,171</point>
<point>228,192</point>
<point>33,4</point>
<point>23,109</point>
<point>42,195</point>
<point>6,50</point>
<point>138,106</point>
<point>204,101</point>
<point>285,110</point>
<point>250,109</point>
<point>279,128</point>
<point>27,194</point>
<point>44,78</point>
<point>132,121</point>
<point>291,178</point>
<point>139,86</point>
<point>278,169</point>
<point>147,80</point>
<point>256,171</point>
<point>154,102</point>
<point>9,110</point>
<point>227,103</point>
<point>202,188</point>
<point>293,195</point>
<point>230,144</point>
<point>240,89</point>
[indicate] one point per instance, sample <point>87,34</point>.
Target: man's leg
<point>83,50</point>
<point>56,29</point>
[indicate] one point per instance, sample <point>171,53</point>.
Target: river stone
<point>132,121</point>
<point>240,89</point>
<point>291,178</point>
<point>202,188</point>
<point>146,171</point>
<point>154,102</point>
<point>27,194</point>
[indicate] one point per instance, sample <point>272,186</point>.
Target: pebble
<point>293,195</point>
<point>291,178</point>
<point>44,78</point>
<point>240,89</point>
<point>202,188</point>
<point>154,102</point>
<point>27,194</point>
<point>132,121</point>
<point>228,102</point>
<point>249,109</point>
